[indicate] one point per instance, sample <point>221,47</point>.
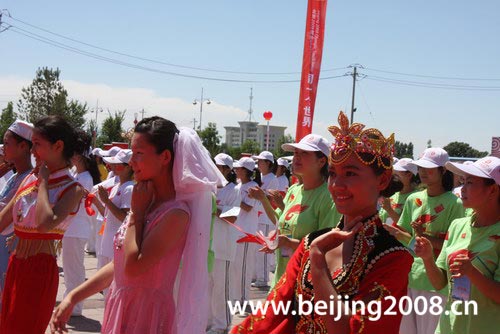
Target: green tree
<point>250,146</point>
<point>403,150</point>
<point>460,149</point>
<point>46,95</point>
<point>211,139</point>
<point>111,129</point>
<point>7,117</point>
<point>278,152</point>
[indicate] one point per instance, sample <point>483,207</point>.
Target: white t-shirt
<point>80,222</point>
<point>5,178</point>
<point>121,196</point>
<point>269,181</point>
<point>248,221</point>
<point>283,183</point>
<point>224,235</point>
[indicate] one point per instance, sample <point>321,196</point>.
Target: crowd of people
<point>178,234</point>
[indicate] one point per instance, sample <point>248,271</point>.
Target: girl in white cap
<point>266,166</point>
<point>308,206</point>
<point>17,150</point>
<point>171,205</point>
<point>224,247</point>
<point>243,267</point>
<point>469,262</point>
<point>78,232</point>
<point>39,211</point>
<point>283,174</point>
<point>393,206</point>
<point>115,205</point>
<point>427,213</point>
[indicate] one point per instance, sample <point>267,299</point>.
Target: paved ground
<point>93,307</point>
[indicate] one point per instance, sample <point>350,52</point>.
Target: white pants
<point>219,316</point>
<point>73,251</point>
<point>241,271</point>
<point>263,260</point>
<point>420,324</point>
<point>91,243</point>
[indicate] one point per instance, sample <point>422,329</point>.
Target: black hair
<point>287,172</point>
<point>20,139</point>
<point>395,184</point>
<point>447,179</point>
<point>324,170</point>
<point>82,148</point>
<point>54,128</point>
<point>159,131</point>
<point>255,175</point>
<point>231,177</point>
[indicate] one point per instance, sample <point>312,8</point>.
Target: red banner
<point>311,66</point>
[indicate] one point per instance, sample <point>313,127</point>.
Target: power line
<point>431,76</point>
<point>158,61</point>
<point>432,85</point>
<point>54,43</point>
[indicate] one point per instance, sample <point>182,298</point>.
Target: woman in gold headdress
<point>358,261</point>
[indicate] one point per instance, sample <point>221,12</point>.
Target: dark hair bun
<point>394,186</point>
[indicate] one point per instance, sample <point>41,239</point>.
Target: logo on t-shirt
<point>439,208</point>
<point>418,201</point>
<point>494,238</point>
<point>296,209</point>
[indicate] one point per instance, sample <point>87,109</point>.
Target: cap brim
<point>112,160</point>
<point>290,147</point>
<point>424,164</point>
<point>461,169</point>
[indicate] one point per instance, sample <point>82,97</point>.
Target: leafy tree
<point>46,95</point>
<point>278,152</point>
<point>403,150</point>
<point>7,117</point>
<point>250,146</point>
<point>211,138</point>
<point>460,149</point>
<point>111,129</point>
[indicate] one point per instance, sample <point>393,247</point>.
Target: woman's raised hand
<point>257,193</point>
<point>423,248</point>
<point>142,197</point>
<point>336,236</point>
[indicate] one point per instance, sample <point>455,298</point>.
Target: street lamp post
<point>267,116</point>
<point>195,102</point>
<point>97,110</point>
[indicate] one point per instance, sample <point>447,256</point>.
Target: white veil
<point>195,179</point>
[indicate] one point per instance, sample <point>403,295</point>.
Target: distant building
<point>237,135</point>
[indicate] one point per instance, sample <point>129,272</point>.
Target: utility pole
<point>207,101</point>
<point>142,113</point>
<point>194,123</point>
<point>354,74</point>
<point>250,111</point>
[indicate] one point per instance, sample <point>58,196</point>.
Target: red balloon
<point>268,115</point>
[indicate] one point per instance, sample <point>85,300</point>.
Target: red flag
<point>311,66</point>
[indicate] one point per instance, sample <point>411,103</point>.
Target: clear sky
<point>431,38</point>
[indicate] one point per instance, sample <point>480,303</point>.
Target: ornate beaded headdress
<point>353,138</point>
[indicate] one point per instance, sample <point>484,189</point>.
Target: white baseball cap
<point>111,152</point>
<point>22,129</point>
<point>488,167</point>
<point>247,163</point>
<point>122,157</point>
<point>222,159</point>
<point>97,151</point>
<point>311,142</point>
<point>283,162</point>
<point>405,165</point>
<point>264,155</point>
<point>432,157</point>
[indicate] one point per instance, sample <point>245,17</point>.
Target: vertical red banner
<point>311,66</point>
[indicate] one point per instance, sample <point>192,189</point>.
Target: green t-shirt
<point>436,213</point>
<point>305,211</point>
<point>397,203</point>
<point>483,244</point>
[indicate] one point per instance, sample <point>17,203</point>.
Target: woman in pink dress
<point>171,205</point>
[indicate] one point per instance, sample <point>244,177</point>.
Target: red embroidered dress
<point>379,265</point>
<point>32,275</point>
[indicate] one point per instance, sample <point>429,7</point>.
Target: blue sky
<point>445,38</point>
